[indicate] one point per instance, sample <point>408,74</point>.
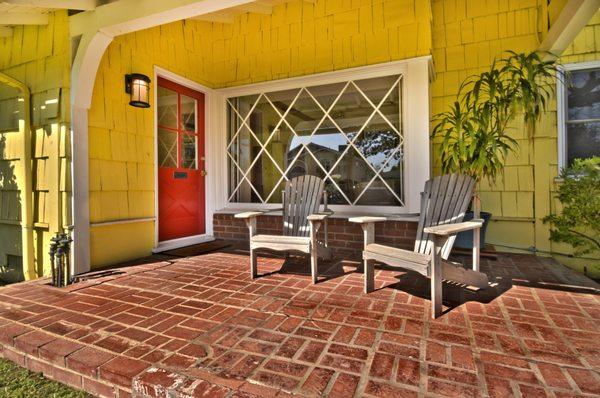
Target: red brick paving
<point>200,327</point>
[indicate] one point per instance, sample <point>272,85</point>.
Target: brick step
<point>162,383</point>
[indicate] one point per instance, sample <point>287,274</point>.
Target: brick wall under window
<point>345,238</point>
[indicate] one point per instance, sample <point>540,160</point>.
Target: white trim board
<point>361,72</point>
<point>182,242</point>
<point>208,153</point>
<point>561,108</point>
<point>126,16</point>
<point>120,222</point>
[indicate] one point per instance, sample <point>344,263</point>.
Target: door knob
<point>203,173</point>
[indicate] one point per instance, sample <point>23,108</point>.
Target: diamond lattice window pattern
<point>350,134</point>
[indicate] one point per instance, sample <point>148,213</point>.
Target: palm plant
<point>473,133</point>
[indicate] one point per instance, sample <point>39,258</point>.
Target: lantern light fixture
<point>138,88</point>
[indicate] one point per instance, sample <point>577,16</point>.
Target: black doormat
<point>196,250</point>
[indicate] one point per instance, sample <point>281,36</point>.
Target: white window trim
<point>416,74</point>
<point>561,108</point>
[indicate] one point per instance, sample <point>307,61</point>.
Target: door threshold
<point>182,242</point>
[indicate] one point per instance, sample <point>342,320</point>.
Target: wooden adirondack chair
<point>301,222</point>
<point>443,205</point>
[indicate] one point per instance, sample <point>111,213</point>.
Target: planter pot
<point>464,240</point>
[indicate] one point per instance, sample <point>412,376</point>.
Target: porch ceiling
<point>125,16</point>
<point>36,12</point>
<point>263,7</point>
<point>214,330</point>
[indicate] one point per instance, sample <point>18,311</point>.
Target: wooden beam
<point>218,17</point>
<point>572,19</point>
<point>23,18</point>
<point>127,16</point>
<point>83,5</point>
<point>6,31</point>
<point>257,8</point>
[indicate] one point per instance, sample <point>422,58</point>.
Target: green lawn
<point>16,382</point>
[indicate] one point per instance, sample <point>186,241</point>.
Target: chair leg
<point>369,276</point>
<point>253,264</point>
<point>436,281</point>
<point>314,266</point>
<point>476,249</point>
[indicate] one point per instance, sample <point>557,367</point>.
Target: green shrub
<point>579,222</point>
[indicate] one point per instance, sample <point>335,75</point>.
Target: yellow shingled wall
<point>298,38</point>
<point>39,56</point>
<point>585,47</point>
<point>467,40</point>
<point>301,38</point>
<point>467,36</point>
<point>121,137</point>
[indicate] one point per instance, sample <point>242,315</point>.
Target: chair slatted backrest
<point>301,198</point>
<point>444,201</point>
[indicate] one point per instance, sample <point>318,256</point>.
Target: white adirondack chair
<point>443,205</point>
<point>301,222</point>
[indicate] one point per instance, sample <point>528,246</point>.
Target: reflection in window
<point>167,148</point>
<point>188,113</point>
<point>190,151</point>
<point>167,107</point>
<point>348,133</point>
<point>583,115</point>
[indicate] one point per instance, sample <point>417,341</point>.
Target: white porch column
<point>417,144</point>
<point>83,76</point>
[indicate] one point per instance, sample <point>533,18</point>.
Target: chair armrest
<point>366,220</point>
<point>452,229</point>
<point>318,216</point>
<point>271,210</point>
<point>248,214</point>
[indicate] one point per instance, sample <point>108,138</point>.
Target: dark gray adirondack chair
<point>443,206</point>
<point>301,222</point>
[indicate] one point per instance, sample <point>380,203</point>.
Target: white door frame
<point>208,156</point>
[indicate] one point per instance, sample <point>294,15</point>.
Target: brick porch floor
<point>200,327</point>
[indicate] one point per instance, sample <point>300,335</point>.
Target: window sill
<point>409,217</point>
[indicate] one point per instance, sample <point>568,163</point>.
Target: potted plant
<point>473,134</point>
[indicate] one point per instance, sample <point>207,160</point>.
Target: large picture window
<point>348,133</point>
<point>580,124</point>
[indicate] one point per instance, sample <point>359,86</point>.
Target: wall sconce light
<point>138,87</point>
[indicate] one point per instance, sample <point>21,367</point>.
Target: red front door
<point>180,137</point>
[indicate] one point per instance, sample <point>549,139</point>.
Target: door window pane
<point>167,148</point>
<point>347,133</point>
<point>190,151</point>
<point>188,114</point>
<point>167,107</point>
